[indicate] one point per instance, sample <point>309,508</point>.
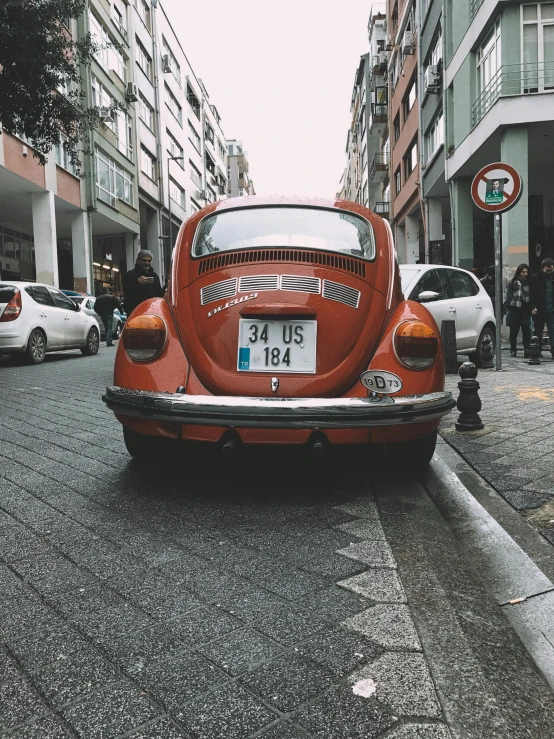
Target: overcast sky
<point>281,77</point>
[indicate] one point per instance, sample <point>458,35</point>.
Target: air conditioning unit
<point>166,64</point>
<point>131,93</point>
<point>390,43</point>
<point>383,57</point>
<point>432,80</point>
<point>107,115</point>
<point>408,43</point>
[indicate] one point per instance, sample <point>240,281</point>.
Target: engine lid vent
<point>257,283</point>
<point>301,284</point>
<point>302,256</point>
<point>218,291</point>
<point>341,293</point>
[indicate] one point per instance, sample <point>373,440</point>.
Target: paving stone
<point>113,710</point>
<point>42,647</point>
<point>228,712</point>
<point>52,573</point>
<point>333,603</point>
<point>339,651</point>
<point>110,623</point>
<point>164,600</point>
<point>403,683</point>
<point>202,625</point>
<point>70,678</point>
<point>42,727</point>
<point>361,508</point>
<point>249,602</point>
<point>290,625</point>
<point>240,650</point>
<point>421,731</point>
<point>290,584</point>
<point>25,613</point>
<point>380,585</point>
<point>82,601</point>
<point>17,542</point>
<point>282,730</point>
<point>369,529</point>
<point>389,625</point>
<point>162,729</point>
<point>372,553</point>
<point>342,715</point>
<point>19,702</point>
<point>522,500</point>
<point>8,670</point>
<point>10,584</point>
<point>133,652</point>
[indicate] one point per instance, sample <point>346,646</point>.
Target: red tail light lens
<point>416,345</point>
<point>144,337</point>
<point>13,308</point>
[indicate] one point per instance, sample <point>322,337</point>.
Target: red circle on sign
<point>510,199</point>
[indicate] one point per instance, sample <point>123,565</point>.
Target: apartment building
<point>499,79</point>
<point>238,176</point>
<point>158,155</point>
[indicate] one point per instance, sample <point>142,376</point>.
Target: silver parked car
<point>87,306</point>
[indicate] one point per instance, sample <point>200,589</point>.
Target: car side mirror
<point>427,296</point>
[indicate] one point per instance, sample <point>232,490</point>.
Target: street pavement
<point>515,450</point>
<point>270,598</point>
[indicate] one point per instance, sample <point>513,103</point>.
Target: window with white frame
<point>62,156</point>
<point>106,53</point>
<point>143,9</point>
<point>144,60</point>
<point>488,59</point>
<point>173,63</point>
<point>435,136</point>
<point>124,133</point>
<point>435,56</point>
<point>194,207</point>
<point>537,46</point>
<point>410,160</point>
<point>112,181</point>
<point>211,195</point>
<point>175,149</point>
<point>119,16</point>
<point>173,105</point>
<point>176,193</point>
<point>221,150</point>
<point>194,137</point>
<point>146,112</point>
<point>195,175</point>
<point>147,163</point>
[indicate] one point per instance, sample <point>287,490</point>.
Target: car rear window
<point>7,292</point>
<point>278,227</point>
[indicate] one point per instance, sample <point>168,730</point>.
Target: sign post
<point>496,189</point>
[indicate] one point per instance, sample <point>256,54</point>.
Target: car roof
<point>24,283</point>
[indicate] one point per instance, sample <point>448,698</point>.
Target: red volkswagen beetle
<point>283,323</point>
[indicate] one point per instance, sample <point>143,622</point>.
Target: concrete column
<point>462,223</point>
<point>44,231</point>
<point>82,259</point>
<point>131,249</point>
<point>153,234</point>
<point>412,239</point>
<point>515,224</point>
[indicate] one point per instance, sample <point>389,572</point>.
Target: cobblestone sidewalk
<point>515,450</point>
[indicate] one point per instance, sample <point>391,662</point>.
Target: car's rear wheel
<point>93,342</point>
<point>477,357</point>
<point>36,347</point>
<point>117,331</point>
<point>415,454</point>
<point>146,449</point>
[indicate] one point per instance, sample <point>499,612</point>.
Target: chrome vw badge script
<point>274,384</point>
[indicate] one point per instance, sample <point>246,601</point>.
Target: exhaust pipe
<point>317,449</point>
<point>318,444</point>
<point>229,444</point>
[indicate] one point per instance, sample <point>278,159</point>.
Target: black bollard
<point>469,402</point>
<point>487,353</point>
<point>534,351</point>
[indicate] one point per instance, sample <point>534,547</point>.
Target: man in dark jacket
<point>141,282</point>
<point>105,305</point>
<point>542,298</point>
<point>488,282</point>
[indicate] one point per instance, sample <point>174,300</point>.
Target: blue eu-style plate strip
<point>244,358</point>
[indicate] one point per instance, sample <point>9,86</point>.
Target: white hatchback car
<point>453,294</point>
<point>37,318</point>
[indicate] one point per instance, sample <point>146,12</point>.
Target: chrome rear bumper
<point>293,413</point>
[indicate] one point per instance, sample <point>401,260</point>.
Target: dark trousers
<point>540,320</point>
<point>108,324</point>
<point>520,319</point>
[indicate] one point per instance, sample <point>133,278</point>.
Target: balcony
<point>381,208</point>
<point>379,168</point>
<point>511,80</point>
<point>380,112</point>
<point>475,5</point>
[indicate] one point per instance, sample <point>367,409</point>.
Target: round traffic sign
<point>496,188</point>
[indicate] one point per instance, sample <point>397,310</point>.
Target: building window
<point>538,47</point>
<point>194,138</point>
<point>124,133</point>
<point>101,98</point>
<point>397,127</point>
<point>144,60</point>
<point>435,136</point>
<point>175,149</point>
<point>119,17</point>
<point>193,101</point>
<point>62,156</point>
<point>409,98</point>
<point>410,160</point>
<point>488,58</point>
<point>173,63</point>
<point>195,175</point>
<point>146,112</point>
<point>112,181</point>
<point>147,163</point>
<point>397,181</point>
<point>144,14</point>
<point>222,151</point>
<point>176,193</point>
<point>194,207</point>
<point>435,57</point>
<point>107,55</point>
<point>173,105</point>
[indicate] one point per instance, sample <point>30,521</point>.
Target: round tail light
<point>144,337</point>
<point>416,345</point>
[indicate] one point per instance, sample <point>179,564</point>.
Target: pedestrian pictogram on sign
<point>496,188</point>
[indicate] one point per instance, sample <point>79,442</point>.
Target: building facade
<point>239,183</point>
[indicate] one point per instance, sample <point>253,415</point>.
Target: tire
<point>117,332</point>
<point>146,449</point>
<point>93,342</point>
<point>36,347</point>
<point>415,454</point>
<point>476,357</point>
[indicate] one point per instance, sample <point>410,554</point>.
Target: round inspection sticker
<point>381,382</point>
<point>496,188</point>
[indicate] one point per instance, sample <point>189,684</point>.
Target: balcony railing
<point>475,5</point>
<point>514,79</point>
<point>380,112</point>
<point>381,208</point>
<point>379,163</point>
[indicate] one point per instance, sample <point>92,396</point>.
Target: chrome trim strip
<point>300,284</point>
<point>259,283</point>
<point>341,293</point>
<point>218,291</point>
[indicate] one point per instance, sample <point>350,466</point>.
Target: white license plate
<point>276,346</point>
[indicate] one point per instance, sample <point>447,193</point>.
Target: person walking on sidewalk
<point>519,309</point>
<point>141,283</point>
<point>105,305</point>
<point>542,298</point>
<point>488,282</point>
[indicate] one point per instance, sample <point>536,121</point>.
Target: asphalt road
<point>272,598</point>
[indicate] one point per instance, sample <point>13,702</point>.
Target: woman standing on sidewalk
<point>519,309</point>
